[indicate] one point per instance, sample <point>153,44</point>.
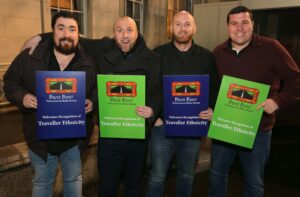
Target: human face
<point>240,29</point>
<point>183,28</point>
<point>65,35</point>
<point>125,33</point>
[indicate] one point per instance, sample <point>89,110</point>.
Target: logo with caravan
<point>186,88</point>
<point>121,89</point>
<point>61,85</point>
<point>243,93</point>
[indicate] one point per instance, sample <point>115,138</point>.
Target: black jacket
<point>196,61</point>
<point>20,80</point>
<point>139,61</point>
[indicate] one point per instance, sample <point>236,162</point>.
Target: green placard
<point>118,97</point>
<point>235,119</point>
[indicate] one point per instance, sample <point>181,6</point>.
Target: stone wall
<point>18,21</point>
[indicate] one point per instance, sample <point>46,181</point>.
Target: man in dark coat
<point>181,56</point>
<point>61,53</point>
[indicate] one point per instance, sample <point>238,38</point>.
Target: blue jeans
<point>252,162</point>
<point>45,172</point>
<point>161,151</point>
<point>121,159</point>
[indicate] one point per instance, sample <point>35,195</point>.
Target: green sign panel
<point>118,96</point>
<point>235,119</point>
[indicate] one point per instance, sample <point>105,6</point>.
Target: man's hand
<point>144,111</point>
<point>30,101</point>
<point>158,122</point>
<point>269,106</point>
<point>206,114</point>
<point>88,106</point>
<point>31,43</point>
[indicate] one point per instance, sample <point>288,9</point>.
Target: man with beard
<point>58,54</point>
<point>180,57</point>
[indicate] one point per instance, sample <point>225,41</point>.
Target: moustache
<point>183,32</point>
<point>66,39</point>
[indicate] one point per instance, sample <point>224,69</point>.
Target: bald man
<point>125,54</point>
<point>180,57</point>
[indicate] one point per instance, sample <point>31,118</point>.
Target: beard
<point>125,48</point>
<point>182,39</point>
<point>65,49</point>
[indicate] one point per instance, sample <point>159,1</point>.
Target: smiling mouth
<point>65,42</point>
<point>240,34</point>
<point>125,41</point>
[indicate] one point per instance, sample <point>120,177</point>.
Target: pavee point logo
<point>121,89</point>
<point>61,85</point>
<point>242,93</point>
<point>186,88</point>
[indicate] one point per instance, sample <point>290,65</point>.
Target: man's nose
<point>67,32</point>
<point>239,26</point>
<point>125,34</point>
<point>182,27</point>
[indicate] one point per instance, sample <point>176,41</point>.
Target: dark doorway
<point>283,25</point>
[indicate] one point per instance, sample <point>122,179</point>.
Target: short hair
<point>239,9</point>
<point>63,14</point>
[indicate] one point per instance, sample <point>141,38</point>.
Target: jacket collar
<point>115,56</point>
<point>190,50</point>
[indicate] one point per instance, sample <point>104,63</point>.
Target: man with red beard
<point>180,57</point>
<point>58,54</point>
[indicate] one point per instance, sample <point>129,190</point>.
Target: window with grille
<point>134,9</point>
<point>173,8</point>
<point>78,7</point>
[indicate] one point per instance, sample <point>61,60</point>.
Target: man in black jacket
<point>125,54</point>
<point>58,54</point>
<point>180,57</point>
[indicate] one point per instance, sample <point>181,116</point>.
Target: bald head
<point>125,33</point>
<point>124,19</point>
<point>184,14</point>
<point>183,27</point>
